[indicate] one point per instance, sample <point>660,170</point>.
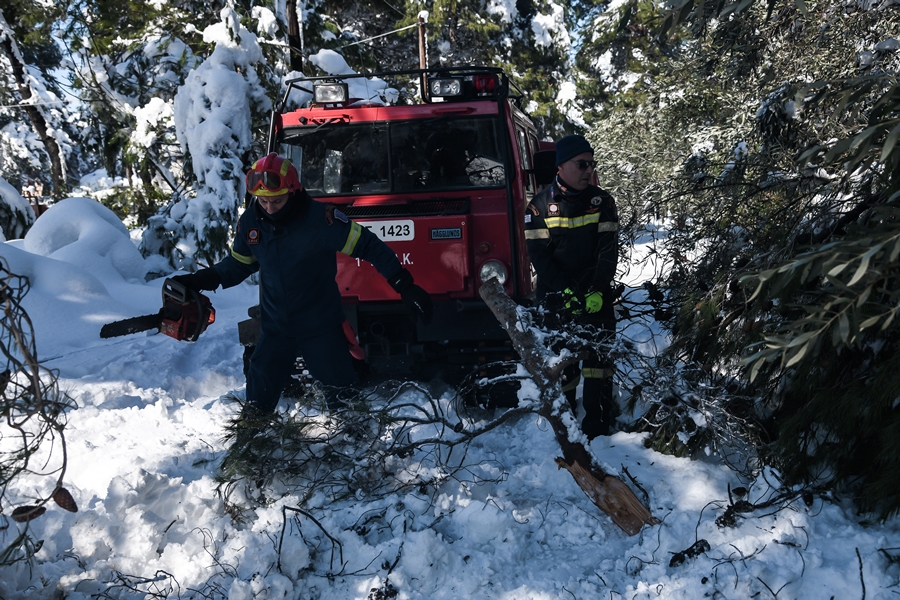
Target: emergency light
<point>485,84</point>
<point>330,93</point>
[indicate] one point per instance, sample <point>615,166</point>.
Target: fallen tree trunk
<point>609,493</point>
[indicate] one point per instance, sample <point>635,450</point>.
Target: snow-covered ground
<point>146,439</point>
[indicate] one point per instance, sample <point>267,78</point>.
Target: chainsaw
<point>184,315</point>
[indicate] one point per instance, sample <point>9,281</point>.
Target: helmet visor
<point>266,183</point>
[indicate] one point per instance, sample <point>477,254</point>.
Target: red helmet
<point>272,175</point>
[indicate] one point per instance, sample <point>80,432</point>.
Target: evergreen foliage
<point>34,127</point>
<point>537,59</point>
<point>784,240</point>
<point>16,217</point>
<point>196,226</point>
<point>379,443</point>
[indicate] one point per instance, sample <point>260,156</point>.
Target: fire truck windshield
<point>397,156</point>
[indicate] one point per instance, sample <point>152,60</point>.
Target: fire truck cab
<point>444,180</point>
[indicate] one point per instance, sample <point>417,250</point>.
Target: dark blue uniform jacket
<point>295,254</point>
<point>572,240</point>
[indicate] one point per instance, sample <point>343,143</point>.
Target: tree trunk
<point>295,35</point>
<point>609,493</point>
<point>38,122</point>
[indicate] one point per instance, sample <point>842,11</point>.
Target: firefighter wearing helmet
<point>292,240</point>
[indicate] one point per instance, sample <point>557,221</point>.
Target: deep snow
<point>146,440</point>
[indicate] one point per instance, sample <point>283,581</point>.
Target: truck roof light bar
<point>330,93</point>
<point>493,83</point>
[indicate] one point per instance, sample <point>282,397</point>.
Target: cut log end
<point>611,495</point>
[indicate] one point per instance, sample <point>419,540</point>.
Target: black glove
<point>204,279</point>
<point>554,302</point>
<point>416,300</point>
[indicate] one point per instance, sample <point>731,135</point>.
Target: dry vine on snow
<point>32,440</point>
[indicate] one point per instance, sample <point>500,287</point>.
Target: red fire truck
<point>444,180</point>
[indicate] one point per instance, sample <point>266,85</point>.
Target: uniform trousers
<point>326,356</point>
<point>597,371</point>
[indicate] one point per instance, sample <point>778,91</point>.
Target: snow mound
<point>84,233</point>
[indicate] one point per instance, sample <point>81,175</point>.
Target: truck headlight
<point>445,87</point>
<point>492,269</point>
<point>330,93</point>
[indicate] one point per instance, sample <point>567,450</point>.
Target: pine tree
<point>783,247</point>
<point>131,58</point>
<point>537,43</point>
<point>16,216</point>
<point>25,41</point>
<point>214,112</point>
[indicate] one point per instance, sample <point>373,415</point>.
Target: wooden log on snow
<point>609,493</point>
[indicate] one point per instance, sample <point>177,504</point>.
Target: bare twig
<point>335,543</point>
<point>33,412</point>
<point>862,581</point>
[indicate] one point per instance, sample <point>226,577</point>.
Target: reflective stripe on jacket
<point>572,239</point>
<point>296,257</point>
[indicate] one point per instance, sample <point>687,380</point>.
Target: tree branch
<point>609,493</point>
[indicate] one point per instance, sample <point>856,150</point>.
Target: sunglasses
<point>584,165</point>
<point>268,180</point>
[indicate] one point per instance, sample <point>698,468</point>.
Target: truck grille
<point>423,208</point>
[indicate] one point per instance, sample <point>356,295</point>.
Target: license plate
<point>392,231</point>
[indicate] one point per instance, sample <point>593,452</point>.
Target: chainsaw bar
<point>132,325</point>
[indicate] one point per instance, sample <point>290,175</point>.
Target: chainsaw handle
<point>175,290</point>
<point>186,312</point>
